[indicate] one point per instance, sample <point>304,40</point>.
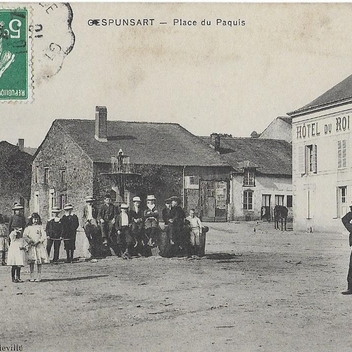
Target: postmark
<point>15,55</point>
<point>53,38</point>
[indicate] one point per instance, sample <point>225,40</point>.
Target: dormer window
<point>249,177</point>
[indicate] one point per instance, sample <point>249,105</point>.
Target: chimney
<point>21,144</point>
<point>101,124</point>
<point>215,141</point>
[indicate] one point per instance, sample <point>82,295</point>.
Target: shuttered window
<point>308,159</point>
<point>341,153</point>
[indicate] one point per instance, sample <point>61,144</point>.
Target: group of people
<point>110,230</point>
<point>136,231</point>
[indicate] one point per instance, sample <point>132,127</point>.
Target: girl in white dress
<point>35,236</point>
<point>17,253</point>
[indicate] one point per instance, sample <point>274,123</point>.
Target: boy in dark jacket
<point>54,233</point>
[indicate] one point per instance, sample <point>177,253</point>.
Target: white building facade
<point>255,198</point>
<point>322,163</point>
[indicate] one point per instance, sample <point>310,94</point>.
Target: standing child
<point>17,255</point>
<point>70,225</point>
<point>54,234</point>
<point>35,236</point>
<point>17,219</point>
<point>196,230</point>
<point>3,240</point>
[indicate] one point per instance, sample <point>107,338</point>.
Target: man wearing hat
<point>17,219</point>
<point>54,233</point>
<point>90,226</point>
<point>137,227</point>
<point>167,211</point>
<point>346,220</point>
<point>177,221</point>
<point>106,217</point>
<point>69,230</point>
<point>124,241</point>
<point>151,221</point>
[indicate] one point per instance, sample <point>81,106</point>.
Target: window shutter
<point>301,159</point>
<point>315,156</point>
<point>339,154</point>
<point>344,152</point>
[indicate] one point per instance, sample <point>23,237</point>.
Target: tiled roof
<point>271,156</point>
<point>143,142</point>
<point>337,95</point>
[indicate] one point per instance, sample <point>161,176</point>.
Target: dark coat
<point>177,215</point>
<point>151,218</point>
<point>136,215</point>
<point>54,229</point>
<point>107,212</point>
<point>346,220</point>
<point>69,226</point>
<point>166,215</point>
<point>17,221</point>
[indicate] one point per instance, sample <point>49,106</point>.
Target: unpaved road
<point>262,290</point>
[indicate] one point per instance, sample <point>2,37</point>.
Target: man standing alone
<point>346,220</point>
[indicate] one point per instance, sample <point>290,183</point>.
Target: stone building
<point>261,177</point>
<point>78,158</point>
<point>322,167</point>
<point>15,177</point>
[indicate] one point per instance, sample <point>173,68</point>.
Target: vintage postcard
<point>175,176</point>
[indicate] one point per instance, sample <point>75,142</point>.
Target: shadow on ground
<point>225,257</point>
<point>75,278</point>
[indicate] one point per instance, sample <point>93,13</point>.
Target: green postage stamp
<point>15,72</point>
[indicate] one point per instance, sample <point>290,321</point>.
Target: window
<point>192,182</point>
<point>63,176</point>
<point>342,207</point>
<point>341,153</point>
<point>308,159</point>
<point>266,200</point>
<point>279,200</point>
<point>46,175</point>
<point>249,177</point>
<point>248,200</point>
<point>311,152</point>
<point>51,200</point>
<point>62,200</point>
<point>289,201</point>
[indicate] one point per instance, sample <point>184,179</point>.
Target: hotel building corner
<point>322,163</point>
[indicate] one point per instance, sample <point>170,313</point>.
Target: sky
<point>209,79</point>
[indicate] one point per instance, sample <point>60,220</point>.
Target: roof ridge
<point>124,121</point>
<point>329,97</point>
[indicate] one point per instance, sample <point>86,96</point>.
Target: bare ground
<point>262,290</point>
